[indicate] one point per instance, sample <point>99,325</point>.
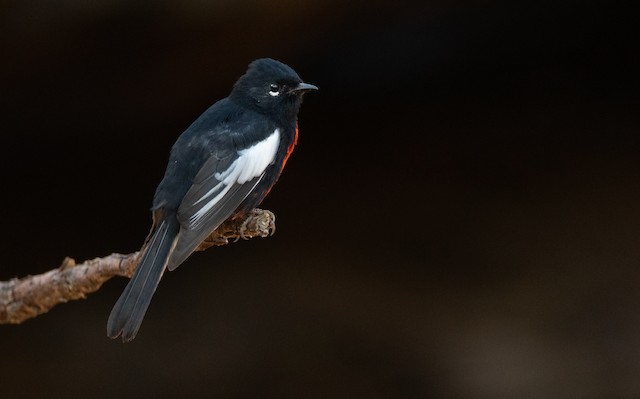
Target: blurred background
<point>460,217</point>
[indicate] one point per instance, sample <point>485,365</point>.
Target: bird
<point>222,166</point>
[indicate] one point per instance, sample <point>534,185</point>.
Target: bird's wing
<point>217,190</point>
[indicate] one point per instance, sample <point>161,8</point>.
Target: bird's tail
<point>127,314</point>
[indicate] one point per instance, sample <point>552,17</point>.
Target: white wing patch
<point>251,163</point>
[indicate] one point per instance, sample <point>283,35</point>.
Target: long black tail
<point>127,314</point>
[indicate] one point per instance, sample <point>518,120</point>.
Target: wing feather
<point>218,189</point>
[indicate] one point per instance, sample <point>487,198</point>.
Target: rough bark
<point>30,296</point>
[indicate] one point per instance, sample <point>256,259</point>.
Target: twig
<point>28,297</point>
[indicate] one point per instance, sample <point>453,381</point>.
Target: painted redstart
<point>222,166</point>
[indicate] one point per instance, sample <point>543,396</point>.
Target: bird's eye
<point>274,90</point>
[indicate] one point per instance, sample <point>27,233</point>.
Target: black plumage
<point>222,166</point>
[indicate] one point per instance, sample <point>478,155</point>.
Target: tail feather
<point>128,312</point>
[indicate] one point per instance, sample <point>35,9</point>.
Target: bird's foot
<point>259,222</point>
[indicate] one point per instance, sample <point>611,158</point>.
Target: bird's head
<point>271,87</point>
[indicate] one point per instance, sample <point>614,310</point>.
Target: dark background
<point>460,218</point>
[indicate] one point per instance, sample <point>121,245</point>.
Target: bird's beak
<point>302,87</point>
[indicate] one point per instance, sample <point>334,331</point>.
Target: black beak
<point>302,87</point>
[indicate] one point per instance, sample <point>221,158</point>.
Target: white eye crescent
<point>274,90</point>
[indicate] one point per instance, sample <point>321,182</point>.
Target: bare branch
<point>28,297</point>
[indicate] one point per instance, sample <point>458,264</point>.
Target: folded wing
<point>218,189</point>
